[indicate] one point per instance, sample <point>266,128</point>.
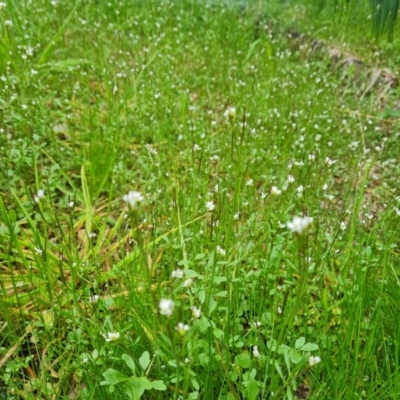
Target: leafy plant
<point>134,385</point>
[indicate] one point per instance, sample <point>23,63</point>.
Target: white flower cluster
<point>39,195</point>
<point>299,224</point>
<point>210,205</point>
<point>178,273</point>
<point>230,113</point>
<point>111,336</point>
<point>182,328</point>
<point>133,199</point>
<point>314,360</point>
<point>256,353</point>
<point>166,307</point>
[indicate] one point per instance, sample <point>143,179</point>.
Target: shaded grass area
<point>228,136</point>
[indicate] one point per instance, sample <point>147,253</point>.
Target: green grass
<point>98,99</point>
<point>351,25</point>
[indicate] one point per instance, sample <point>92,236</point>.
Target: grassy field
<point>193,206</point>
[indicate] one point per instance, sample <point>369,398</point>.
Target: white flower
<point>300,190</point>
<point>314,360</point>
<point>188,282</point>
<point>8,22</point>
<point>133,198</point>
<point>38,251</point>
<point>151,149</point>
<point>182,328</point>
<point>71,204</point>
<point>94,298</point>
<point>210,205</point>
<point>257,324</point>
<point>196,312</point>
<point>166,307</point>
<point>230,112</point>
<point>196,147</point>
<point>275,191</point>
<point>291,179</point>
<point>2,5</point>
<point>249,182</point>
<point>39,195</point>
<point>256,352</point>
<point>329,161</point>
<point>92,235</point>
<point>178,273</point>
<point>343,226</point>
<point>299,224</point>
<point>221,251</point>
<point>111,336</point>
<point>214,158</point>
<point>330,197</point>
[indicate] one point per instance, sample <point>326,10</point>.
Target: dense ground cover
<point>154,158</point>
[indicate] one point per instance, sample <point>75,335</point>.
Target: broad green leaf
<point>252,390</point>
<point>212,305</point>
<point>218,333</point>
<point>144,382</point>
<point>144,360</point>
<point>299,342</point>
<point>310,347</point>
<point>12,216</point>
<point>204,359</point>
<point>173,363</point>
<point>244,360</point>
<point>278,368</point>
<point>287,361</point>
<point>193,274</point>
<point>202,295</point>
<point>203,323</point>
<point>195,384</point>
<point>113,377</point>
<point>272,344</point>
<point>289,393</point>
<point>295,357</point>
<point>134,389</point>
<point>158,385</point>
<point>129,362</point>
<point>283,349</point>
